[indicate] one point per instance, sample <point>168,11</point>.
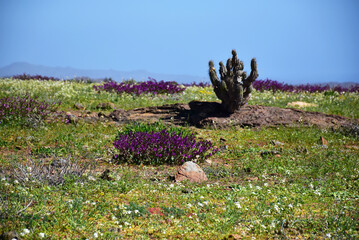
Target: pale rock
<point>190,171</point>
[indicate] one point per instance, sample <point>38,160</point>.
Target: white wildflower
<point>272,225</point>
<point>91,178</point>
<point>276,208</point>
<point>238,205</point>
<point>24,232</point>
<point>41,235</point>
<point>317,192</point>
<point>95,235</point>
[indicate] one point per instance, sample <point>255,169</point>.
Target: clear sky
<point>294,41</point>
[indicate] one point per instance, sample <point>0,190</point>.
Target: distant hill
<point>139,75</point>
<point>69,73</point>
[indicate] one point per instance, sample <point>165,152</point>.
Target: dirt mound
<point>209,114</point>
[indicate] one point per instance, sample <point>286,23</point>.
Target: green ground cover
<point>255,189</point>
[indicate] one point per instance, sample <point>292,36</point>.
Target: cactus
<point>235,87</point>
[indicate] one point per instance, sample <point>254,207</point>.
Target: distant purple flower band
<point>151,86</point>
<point>270,85</point>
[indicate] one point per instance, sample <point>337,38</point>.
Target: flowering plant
<point>151,86</point>
<point>261,85</point>
<point>22,108</point>
<point>160,147</point>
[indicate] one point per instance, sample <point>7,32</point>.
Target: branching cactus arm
<point>235,87</point>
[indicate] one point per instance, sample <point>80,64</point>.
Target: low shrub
<point>151,86</point>
<point>24,108</point>
<point>155,145</point>
<point>54,173</point>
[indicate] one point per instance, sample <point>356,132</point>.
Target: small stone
<point>190,171</point>
<point>222,139</point>
<point>276,143</point>
<point>106,175</point>
<point>118,115</point>
<point>79,106</point>
<point>71,118</point>
<point>101,115</point>
<point>323,141</point>
<point>208,161</point>
<point>104,106</point>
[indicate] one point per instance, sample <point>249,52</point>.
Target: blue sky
<point>294,41</point>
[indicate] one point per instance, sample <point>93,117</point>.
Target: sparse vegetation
<point>263,183</point>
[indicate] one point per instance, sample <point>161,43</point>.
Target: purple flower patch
<point>162,147</point>
<point>24,107</point>
<point>151,86</point>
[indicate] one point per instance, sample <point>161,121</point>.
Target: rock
<point>301,104</point>
<point>276,143</point>
<point>190,171</point>
<point>79,106</point>
<point>323,141</point>
<point>209,162</point>
<point>101,115</point>
<point>71,118</point>
<point>9,236</point>
<point>104,106</point>
<point>106,175</point>
<point>118,115</point>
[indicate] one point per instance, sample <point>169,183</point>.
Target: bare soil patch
<point>208,114</point>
